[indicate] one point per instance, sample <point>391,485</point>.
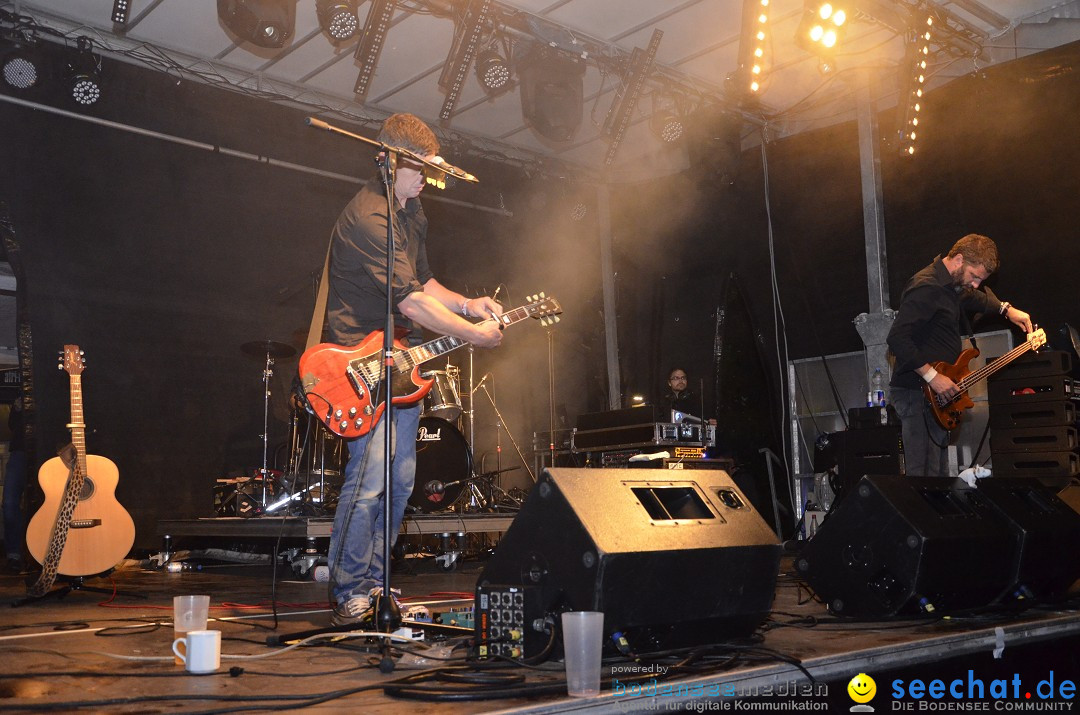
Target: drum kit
<point>445,480</point>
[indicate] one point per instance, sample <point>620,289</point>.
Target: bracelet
<point>930,375</point>
<point>465,307</point>
<point>1004,310</point>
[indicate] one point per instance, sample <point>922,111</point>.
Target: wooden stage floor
<point>95,653</point>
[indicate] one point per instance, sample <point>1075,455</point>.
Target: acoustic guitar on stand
<point>340,383</point>
<point>81,529</point>
<point>947,411</point>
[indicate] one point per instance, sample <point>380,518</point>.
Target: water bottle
<point>876,396</point>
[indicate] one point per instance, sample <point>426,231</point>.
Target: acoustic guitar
<point>947,411</point>
<point>81,529</point>
<point>340,384</point>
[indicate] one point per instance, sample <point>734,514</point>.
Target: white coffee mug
<point>203,651</point>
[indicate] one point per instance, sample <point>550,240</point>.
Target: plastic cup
<point>189,614</point>
<point>583,633</point>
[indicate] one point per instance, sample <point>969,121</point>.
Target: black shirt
<point>927,325</point>
<point>356,302</point>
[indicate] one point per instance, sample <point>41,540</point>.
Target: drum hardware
<point>270,351</point>
<point>316,462</point>
<point>443,400</point>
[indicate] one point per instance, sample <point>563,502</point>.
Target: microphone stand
<point>388,614</point>
<point>509,434</point>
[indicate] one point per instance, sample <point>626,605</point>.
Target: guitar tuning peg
<point>557,318</point>
<point>530,298</point>
<point>542,294</point>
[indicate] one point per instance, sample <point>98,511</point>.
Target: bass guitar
<point>340,383</point>
<point>947,411</point>
<point>81,529</point>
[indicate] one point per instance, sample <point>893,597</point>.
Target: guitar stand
<point>76,583</point>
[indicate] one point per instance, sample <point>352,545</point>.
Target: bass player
<point>927,330</point>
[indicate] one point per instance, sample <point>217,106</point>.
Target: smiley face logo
<point>862,688</point>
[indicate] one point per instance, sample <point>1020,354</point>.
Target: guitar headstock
<point>72,360</point>
<point>1037,338</point>
<point>543,308</point>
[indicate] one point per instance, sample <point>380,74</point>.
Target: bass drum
<point>443,463</point>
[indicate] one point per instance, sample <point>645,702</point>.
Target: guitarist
<point>927,330</point>
<point>356,306</point>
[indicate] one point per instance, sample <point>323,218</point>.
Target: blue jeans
<point>14,521</point>
<point>926,443</point>
<point>356,542</point>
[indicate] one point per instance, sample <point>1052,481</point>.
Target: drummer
<point>356,306</point>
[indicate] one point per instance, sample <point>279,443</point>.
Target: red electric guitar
<point>339,382</point>
<point>947,411</point>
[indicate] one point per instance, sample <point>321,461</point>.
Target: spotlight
<point>83,74</point>
<point>492,71</point>
<point>667,127</point>
<point>338,19</point>
<point>265,23</point>
<point>552,92</point>
<point>120,9</point>
<point>22,67</point>
<point>822,26</point>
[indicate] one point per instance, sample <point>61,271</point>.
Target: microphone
<point>435,491</point>
<point>453,170</point>
<point>481,383</point>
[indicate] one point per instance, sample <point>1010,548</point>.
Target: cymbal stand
<point>472,401</point>
<point>268,372</point>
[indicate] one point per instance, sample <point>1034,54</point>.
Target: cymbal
<point>262,348</point>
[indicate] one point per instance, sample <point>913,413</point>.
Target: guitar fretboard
<point>406,360</point>
<point>989,369</point>
<point>78,424</point>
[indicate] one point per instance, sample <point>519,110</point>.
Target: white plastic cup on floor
<point>190,613</point>
<point>583,634</point>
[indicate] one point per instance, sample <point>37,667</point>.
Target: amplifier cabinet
<point>1033,439</point>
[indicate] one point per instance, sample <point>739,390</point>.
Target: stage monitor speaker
<point>671,560</point>
<point>1046,531</point>
<point>908,546</point>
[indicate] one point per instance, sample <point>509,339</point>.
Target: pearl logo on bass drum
<point>422,435</point>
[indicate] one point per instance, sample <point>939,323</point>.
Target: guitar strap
<point>58,537</point>
<point>965,326</point>
<point>314,335</point>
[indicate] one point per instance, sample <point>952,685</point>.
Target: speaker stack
<point>910,546</point>
<point>1033,418</point>
<point>670,560</point>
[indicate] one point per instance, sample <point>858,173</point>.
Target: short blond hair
<point>409,131</point>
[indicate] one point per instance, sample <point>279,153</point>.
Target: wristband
<point>464,307</point>
<point>1004,310</point>
<point>930,375</point>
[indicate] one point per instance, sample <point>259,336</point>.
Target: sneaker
<point>395,593</point>
<point>351,612</point>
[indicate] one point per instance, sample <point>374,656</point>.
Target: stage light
<point>371,43</point>
<point>120,10</point>
<point>22,66</point>
<point>822,27</point>
<point>338,19</point>
<point>918,50</point>
<point>552,91</point>
<point>83,75</point>
<point>666,121</point>
<point>492,71</point>
<point>265,23</point>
